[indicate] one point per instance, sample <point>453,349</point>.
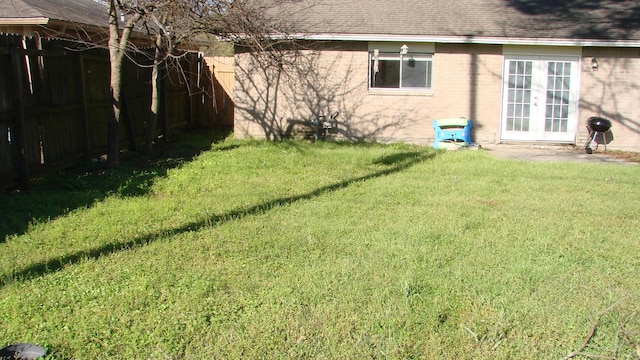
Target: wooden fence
<point>55,104</point>
<point>223,70</point>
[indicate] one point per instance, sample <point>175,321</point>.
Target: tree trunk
<point>115,60</point>
<point>155,96</point>
<point>113,130</point>
<point>117,49</point>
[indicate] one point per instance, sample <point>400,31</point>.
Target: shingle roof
<point>566,19</point>
<point>87,12</point>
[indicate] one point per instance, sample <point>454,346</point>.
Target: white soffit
<point>393,47</point>
<point>542,49</point>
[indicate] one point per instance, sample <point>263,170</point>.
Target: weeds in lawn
<point>57,194</point>
<point>297,250</point>
<point>399,162</point>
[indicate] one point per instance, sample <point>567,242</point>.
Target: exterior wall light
<point>594,64</point>
<point>404,49</point>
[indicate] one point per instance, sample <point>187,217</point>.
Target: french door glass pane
<point>558,85</point>
<point>519,95</point>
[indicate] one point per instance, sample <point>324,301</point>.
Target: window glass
<point>396,71</point>
<point>414,73</point>
<point>388,75</point>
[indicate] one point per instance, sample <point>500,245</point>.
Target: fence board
<point>55,104</point>
<point>8,168</point>
<point>221,87</point>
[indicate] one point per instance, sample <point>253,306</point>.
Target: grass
<point>297,250</point>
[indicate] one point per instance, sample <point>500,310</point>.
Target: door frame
<point>539,54</point>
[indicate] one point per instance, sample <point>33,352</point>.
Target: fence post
<point>25,174</point>
<point>164,75</point>
<point>193,88</point>
<point>84,113</point>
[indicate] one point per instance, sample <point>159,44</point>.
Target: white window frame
<point>401,51</point>
<point>401,58</point>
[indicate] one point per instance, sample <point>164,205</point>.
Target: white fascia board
<point>470,40</point>
<point>24,21</point>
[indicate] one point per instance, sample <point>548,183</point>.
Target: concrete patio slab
<point>562,153</point>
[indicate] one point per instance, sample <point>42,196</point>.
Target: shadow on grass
<point>397,162</point>
<point>81,186</point>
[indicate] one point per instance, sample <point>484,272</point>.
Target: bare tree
<point>169,25</point>
<point>118,47</point>
<point>172,23</point>
<point>165,22</point>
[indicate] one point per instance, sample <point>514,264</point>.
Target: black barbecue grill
<point>596,125</point>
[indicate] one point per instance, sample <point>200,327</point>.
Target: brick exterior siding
<point>467,82</point>
<point>613,91</point>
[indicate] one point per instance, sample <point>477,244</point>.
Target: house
<point>76,19</point>
<point>523,70</point>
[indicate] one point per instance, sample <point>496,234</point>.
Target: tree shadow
<point>608,90</point>
<point>605,91</point>
<point>280,98</point>
<point>587,19</point>
<point>395,163</point>
<point>82,186</point>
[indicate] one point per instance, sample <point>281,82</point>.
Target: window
<point>398,71</point>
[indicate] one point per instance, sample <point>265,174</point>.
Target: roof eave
<point>471,39</point>
<point>24,21</point>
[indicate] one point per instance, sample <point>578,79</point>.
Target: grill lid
<point>596,123</point>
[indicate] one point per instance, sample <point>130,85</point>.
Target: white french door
<point>540,98</point>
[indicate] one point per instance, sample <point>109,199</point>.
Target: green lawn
<point>337,251</point>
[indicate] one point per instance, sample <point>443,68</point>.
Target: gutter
<point>471,39</point>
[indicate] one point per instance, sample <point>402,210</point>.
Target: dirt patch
<point>626,155</point>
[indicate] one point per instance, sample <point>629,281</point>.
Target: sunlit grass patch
<point>300,250</point>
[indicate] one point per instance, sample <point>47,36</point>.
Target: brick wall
<point>613,91</point>
<point>467,82</point>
